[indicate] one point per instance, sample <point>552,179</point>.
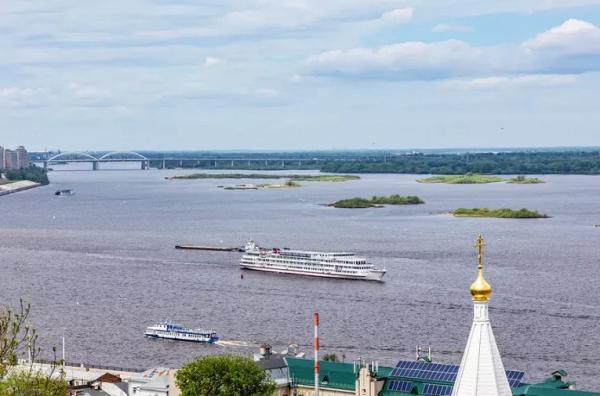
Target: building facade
<point>22,158</point>
<point>14,159</point>
<point>10,160</point>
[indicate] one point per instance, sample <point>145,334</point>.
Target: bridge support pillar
<point>145,165</point>
<point>45,165</point>
<point>95,165</point>
<point>164,165</point>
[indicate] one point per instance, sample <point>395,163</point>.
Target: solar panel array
<point>437,390</point>
<point>401,386</point>
<point>442,372</point>
<point>426,371</point>
<point>514,377</point>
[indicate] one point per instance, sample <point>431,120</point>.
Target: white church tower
<point>481,370</point>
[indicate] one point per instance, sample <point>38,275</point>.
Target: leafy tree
<point>224,375</point>
<point>32,383</point>
<point>17,338</point>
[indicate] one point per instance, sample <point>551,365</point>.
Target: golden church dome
<point>480,289</point>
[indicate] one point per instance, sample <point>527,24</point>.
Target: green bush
<point>224,375</point>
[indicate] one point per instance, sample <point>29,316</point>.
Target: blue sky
<point>299,74</point>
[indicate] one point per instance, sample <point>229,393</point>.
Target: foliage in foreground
<point>375,201</point>
<point>17,338</point>
<point>224,375</point>
<point>462,179</point>
<point>33,173</point>
<point>499,213</point>
<point>31,383</point>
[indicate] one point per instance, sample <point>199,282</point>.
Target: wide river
<point>100,266</point>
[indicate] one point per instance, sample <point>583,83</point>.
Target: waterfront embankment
<point>17,187</point>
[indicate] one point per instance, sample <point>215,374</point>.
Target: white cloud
<point>212,61</point>
<point>444,28</point>
<point>407,60</point>
<point>572,37</point>
<point>16,96</point>
<point>399,15</point>
<point>533,80</point>
<point>571,48</point>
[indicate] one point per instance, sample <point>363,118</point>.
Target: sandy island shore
<point>17,186</point>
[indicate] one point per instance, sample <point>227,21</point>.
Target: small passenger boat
<point>64,192</point>
<point>173,331</point>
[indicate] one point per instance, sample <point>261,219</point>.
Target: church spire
<point>481,371</point>
<point>480,289</point>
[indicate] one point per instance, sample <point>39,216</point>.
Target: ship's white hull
<point>180,337</point>
<point>375,275</point>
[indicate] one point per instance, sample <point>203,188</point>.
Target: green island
<point>318,178</point>
<point>522,179</point>
<point>377,202</point>
<point>469,178</point>
<point>499,213</point>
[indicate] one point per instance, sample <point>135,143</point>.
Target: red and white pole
<point>316,324</point>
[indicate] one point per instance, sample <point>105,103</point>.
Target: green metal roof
<point>341,376</point>
<point>337,375</point>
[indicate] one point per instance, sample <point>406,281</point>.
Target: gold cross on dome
<point>480,245</point>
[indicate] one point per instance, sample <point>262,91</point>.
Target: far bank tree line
<point>587,163</point>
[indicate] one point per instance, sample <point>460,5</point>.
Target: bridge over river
<point>239,161</point>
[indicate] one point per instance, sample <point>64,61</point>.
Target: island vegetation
<point>499,213</point>
<point>310,178</point>
<point>375,202</point>
<point>522,179</point>
<point>32,173</point>
<point>469,178</point>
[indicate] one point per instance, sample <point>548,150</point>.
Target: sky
<point>298,74</point>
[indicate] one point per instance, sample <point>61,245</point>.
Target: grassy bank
<point>499,213</point>
<point>319,178</point>
<point>525,180</point>
<point>374,202</point>
<point>462,179</point>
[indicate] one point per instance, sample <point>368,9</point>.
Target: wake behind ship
<point>309,263</point>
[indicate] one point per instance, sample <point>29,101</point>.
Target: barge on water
<point>210,248</point>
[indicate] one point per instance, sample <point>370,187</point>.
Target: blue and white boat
<point>173,331</point>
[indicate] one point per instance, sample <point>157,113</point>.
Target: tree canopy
<point>224,375</point>
<point>16,339</point>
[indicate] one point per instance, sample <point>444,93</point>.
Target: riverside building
<point>13,159</point>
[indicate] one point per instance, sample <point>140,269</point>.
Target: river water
<point>100,266</point>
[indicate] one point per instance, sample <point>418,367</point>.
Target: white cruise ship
<point>309,263</point>
<point>173,331</point>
